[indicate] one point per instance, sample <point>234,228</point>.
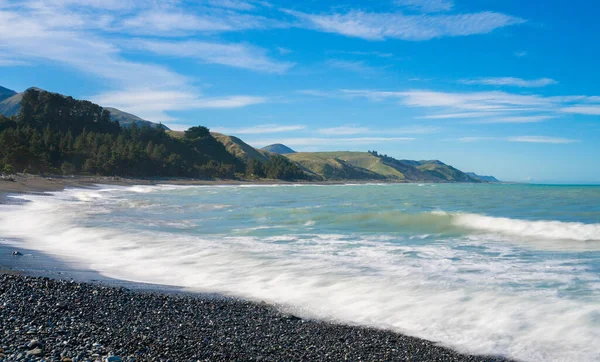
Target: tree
<point>197,132</point>
<point>67,169</point>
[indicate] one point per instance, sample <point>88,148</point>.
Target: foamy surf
<point>436,275</point>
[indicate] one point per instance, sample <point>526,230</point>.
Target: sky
<point>508,88</point>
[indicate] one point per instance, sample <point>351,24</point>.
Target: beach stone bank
<point>56,320</point>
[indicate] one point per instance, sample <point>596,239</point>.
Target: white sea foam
<point>439,292</point>
<point>554,230</point>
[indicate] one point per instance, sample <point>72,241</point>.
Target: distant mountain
<point>11,106</point>
<point>372,166</point>
<point>483,178</point>
<point>127,119</point>
<point>6,93</point>
<point>279,149</point>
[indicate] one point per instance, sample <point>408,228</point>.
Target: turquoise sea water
<point>503,269</point>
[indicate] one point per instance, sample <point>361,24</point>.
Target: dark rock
<point>17,253</point>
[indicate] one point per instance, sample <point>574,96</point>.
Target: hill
<point>240,149</point>
<point>279,149</point>
<point>483,178</point>
<point>127,119</point>
<point>372,166</point>
<point>10,105</point>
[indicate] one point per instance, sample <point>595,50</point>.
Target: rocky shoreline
<point>59,320</point>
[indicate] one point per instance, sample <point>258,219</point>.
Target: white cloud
<point>541,139</point>
<point>379,26</point>
<point>153,104</point>
<point>590,110</point>
<point>520,54</point>
<point>48,34</point>
<point>261,129</point>
<point>511,81</point>
<point>482,107</point>
<point>427,6</point>
<point>175,22</point>
<point>234,55</point>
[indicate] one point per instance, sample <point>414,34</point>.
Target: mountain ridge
<point>239,158</point>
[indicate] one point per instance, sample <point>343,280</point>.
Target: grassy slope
<point>240,149</point>
<point>445,172</point>
<point>345,165</point>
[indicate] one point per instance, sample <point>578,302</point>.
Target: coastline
<point>213,327</point>
<point>39,184</point>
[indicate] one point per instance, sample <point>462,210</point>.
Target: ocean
<point>492,269</point>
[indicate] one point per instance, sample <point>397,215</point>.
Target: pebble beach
<point>60,320</point>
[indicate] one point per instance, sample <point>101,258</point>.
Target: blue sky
<point>503,87</point>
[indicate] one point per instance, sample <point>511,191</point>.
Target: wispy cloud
<point>364,53</point>
<point>153,104</point>
<point>234,55</point>
<point>353,130</point>
<point>427,6</point>
<point>175,22</point>
<point>380,26</point>
<point>511,81</point>
<point>591,110</point>
<point>359,67</point>
<point>520,54</point>
<point>542,139</point>
<point>233,4</point>
<point>344,130</point>
<point>476,139</point>
<point>521,139</point>
<point>461,115</point>
<point>63,33</point>
<point>260,129</point>
<point>481,107</point>
<point>329,141</point>
<point>522,119</point>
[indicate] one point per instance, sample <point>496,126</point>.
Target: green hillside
<point>372,166</point>
<point>344,166</point>
<point>240,149</point>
